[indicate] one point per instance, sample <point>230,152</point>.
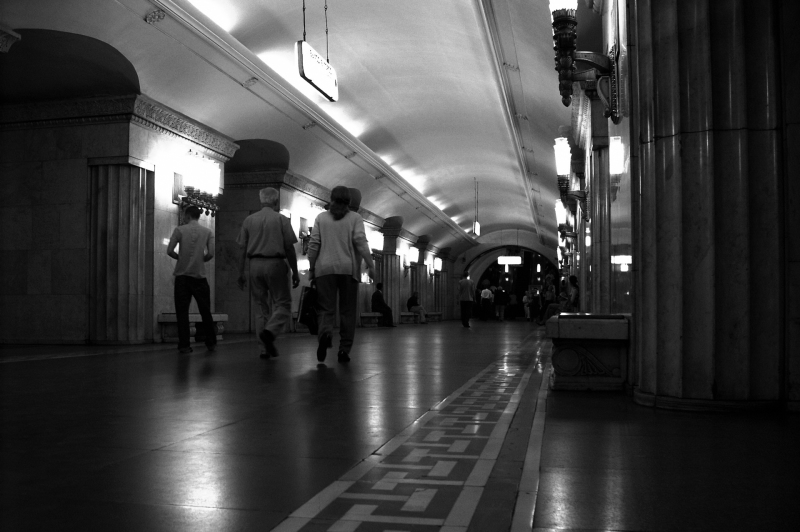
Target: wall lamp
<point>199,181</point>
<point>565,23</point>
<point>602,73</point>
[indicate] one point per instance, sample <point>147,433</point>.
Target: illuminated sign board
<point>509,259</point>
<point>317,71</point>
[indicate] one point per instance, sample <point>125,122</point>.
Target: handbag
<point>307,312</point>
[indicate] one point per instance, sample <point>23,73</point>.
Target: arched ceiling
<point>433,96</point>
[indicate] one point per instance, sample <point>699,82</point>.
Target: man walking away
<point>195,247</point>
<point>267,239</point>
<point>465,291</point>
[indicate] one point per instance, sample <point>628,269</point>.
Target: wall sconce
<point>437,264</point>
<point>602,75</point>
<point>200,182</point>
<point>565,23</point>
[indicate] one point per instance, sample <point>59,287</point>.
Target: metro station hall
<point>399,266</point>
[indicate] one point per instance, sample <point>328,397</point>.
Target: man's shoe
<point>322,349</point>
<point>268,339</point>
<point>185,350</point>
<point>211,347</point>
<point>343,357</point>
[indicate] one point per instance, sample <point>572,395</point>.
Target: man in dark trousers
<point>379,305</point>
<point>195,245</point>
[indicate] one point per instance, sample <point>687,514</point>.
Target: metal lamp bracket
<point>602,77</point>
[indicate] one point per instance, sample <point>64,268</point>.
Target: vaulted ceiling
<point>434,96</point>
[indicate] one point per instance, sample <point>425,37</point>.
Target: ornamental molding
<point>163,117</point>
<point>132,108</point>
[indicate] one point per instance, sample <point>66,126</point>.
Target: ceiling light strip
<point>492,39</point>
<point>246,59</point>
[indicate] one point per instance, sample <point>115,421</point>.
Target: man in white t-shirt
<point>195,247</point>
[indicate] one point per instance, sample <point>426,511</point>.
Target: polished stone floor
<point>428,428</point>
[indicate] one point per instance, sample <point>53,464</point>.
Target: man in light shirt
<point>267,240</point>
<point>195,247</point>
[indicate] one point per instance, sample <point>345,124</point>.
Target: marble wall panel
<point>13,274</point>
<point>52,144</point>
<point>19,181</point>
<point>46,227</point>
<point>73,318</point>
<point>17,224</point>
<point>12,147</point>
<point>72,226</point>
<point>40,266</point>
<point>104,140</point>
<point>64,181</point>
<point>69,273</point>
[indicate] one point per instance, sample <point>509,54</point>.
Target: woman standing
<point>338,243</point>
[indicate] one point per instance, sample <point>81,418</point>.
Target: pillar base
<point>701,405</point>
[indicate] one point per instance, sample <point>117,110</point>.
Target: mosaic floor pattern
<point>431,476</point>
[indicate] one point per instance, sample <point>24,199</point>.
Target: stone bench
<point>370,319</point>
<point>168,322</point>
<point>434,316</point>
<point>408,318</point>
<point>590,351</point>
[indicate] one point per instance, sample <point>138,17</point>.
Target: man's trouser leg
<point>269,280</point>
<point>348,301</point>
<point>466,311</point>
<point>183,298</point>
<point>202,294</point>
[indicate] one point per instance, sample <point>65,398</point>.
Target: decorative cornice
<point>53,112</point>
<point>134,108</point>
<point>7,38</point>
<point>180,125</point>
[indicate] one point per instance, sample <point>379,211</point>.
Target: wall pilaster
<point>121,249</point>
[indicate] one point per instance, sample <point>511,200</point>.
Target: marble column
<point>732,232</point>
<point>121,248</point>
<point>648,320</point>
<point>601,219</point>
<point>709,170</point>
<point>697,167</point>
<point>668,184</point>
<point>392,272</point>
<point>765,193</point>
<point>789,285</point>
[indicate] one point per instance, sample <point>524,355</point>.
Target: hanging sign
<point>317,71</point>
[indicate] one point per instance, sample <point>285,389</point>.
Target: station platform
<point>428,428</point>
